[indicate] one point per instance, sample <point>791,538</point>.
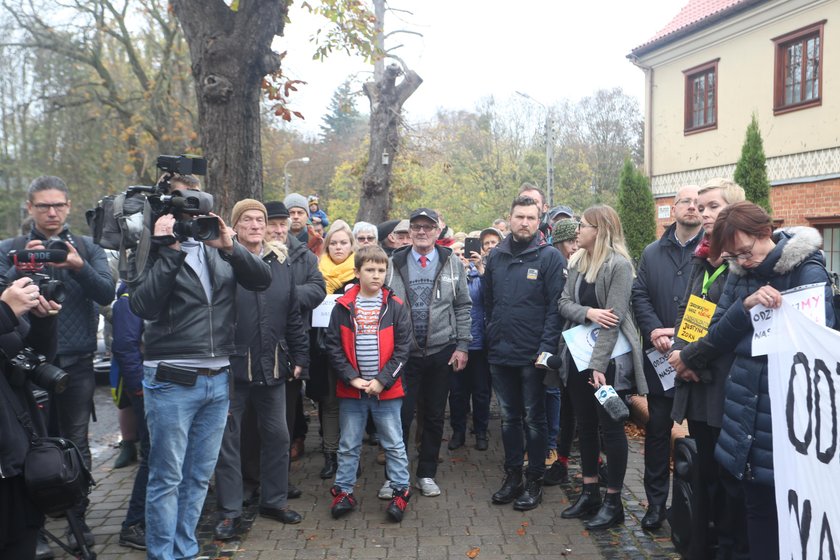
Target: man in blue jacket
<point>522,284</point>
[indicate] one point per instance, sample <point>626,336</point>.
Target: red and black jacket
<point>395,333</point>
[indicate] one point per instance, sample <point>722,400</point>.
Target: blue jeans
<point>352,416</point>
<point>185,426</point>
<point>137,504</point>
<point>552,416</point>
<point>473,381</point>
<point>521,396</point>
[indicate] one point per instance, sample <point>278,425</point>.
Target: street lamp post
<point>549,149</point>
<point>303,160</point>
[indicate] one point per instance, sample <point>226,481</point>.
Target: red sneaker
<point>343,502</point>
<point>398,504</point>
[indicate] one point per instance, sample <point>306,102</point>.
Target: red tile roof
<point>693,15</point>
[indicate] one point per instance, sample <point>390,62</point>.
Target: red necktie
<point>423,261</point>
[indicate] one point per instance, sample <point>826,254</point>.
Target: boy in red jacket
<point>368,342</point>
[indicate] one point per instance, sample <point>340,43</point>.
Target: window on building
<point>831,247</point>
<point>798,73</point>
<point>701,97</point>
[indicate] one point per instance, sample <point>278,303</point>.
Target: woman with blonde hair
<point>336,265</point>
<point>699,395</point>
<point>598,291</point>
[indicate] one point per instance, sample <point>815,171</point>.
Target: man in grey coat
<point>661,282</point>
<point>432,281</point>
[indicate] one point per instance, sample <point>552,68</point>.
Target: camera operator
<point>187,296</point>
<point>26,319</point>
<point>88,284</point>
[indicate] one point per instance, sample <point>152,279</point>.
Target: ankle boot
<point>588,502</point>
<point>330,466</point>
<point>127,456</point>
<point>610,514</point>
<point>531,497</point>
<point>511,487</point>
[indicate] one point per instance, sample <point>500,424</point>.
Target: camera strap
<point>21,414</point>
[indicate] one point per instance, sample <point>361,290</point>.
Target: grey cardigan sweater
<point>613,285</point>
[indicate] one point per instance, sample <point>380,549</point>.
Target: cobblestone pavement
<point>460,523</point>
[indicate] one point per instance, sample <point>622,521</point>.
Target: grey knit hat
<point>296,200</point>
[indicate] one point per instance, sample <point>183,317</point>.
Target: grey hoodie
<point>449,310</point>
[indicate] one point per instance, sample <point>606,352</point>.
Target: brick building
<point>720,61</point>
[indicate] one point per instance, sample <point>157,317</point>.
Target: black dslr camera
<point>32,263</point>
<point>163,200</point>
<point>29,364</point>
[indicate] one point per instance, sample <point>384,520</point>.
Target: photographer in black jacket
<point>26,319</point>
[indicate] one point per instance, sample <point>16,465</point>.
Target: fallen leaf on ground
<point>311,537</point>
<point>521,531</point>
<point>473,552</point>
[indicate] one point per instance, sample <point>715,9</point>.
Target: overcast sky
<point>471,49</point>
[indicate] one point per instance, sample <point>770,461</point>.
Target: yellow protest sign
<point>696,320</point>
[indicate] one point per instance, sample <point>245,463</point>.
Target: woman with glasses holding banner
<point>762,264</point>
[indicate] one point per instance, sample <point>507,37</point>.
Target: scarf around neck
<point>336,275</point>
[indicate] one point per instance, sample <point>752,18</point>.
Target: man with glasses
<point>660,285</point>
<point>432,281</point>
<point>88,284</point>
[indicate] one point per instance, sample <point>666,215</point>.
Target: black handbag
<point>54,470</point>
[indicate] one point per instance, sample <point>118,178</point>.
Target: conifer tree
<point>636,209</point>
<point>751,170</point>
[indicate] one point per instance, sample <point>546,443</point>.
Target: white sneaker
<point>427,487</point>
<point>386,492</point>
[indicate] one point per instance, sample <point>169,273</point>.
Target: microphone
<point>612,403</point>
<point>27,257</point>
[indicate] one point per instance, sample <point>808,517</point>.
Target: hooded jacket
<point>395,336</point>
<point>269,334</point>
<point>449,310</point>
<point>745,445</point>
<point>180,322</point>
<point>520,301</point>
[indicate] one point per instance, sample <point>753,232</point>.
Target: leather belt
<point>210,372</point>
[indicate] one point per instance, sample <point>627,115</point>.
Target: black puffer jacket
<point>15,334</point>
<point>269,334</point>
<point>180,322</point>
<point>745,445</point>
<point>311,288</point>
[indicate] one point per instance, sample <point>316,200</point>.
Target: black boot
<point>330,466</point>
<point>654,517</point>
<point>588,502</point>
<point>531,497</point>
<point>610,514</point>
<point>511,487</point>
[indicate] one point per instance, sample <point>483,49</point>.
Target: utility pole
<point>549,150</point>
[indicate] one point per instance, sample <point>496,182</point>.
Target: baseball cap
<point>424,213</point>
<point>276,209</point>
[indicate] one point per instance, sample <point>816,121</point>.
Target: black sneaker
<point>227,528</point>
<point>134,537</point>
<point>399,502</point>
<point>343,502</point>
<point>87,534</point>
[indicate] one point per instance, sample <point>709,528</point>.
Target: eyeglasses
<point>582,225</point>
<point>423,227</point>
<point>42,207</point>
<point>365,238</point>
<point>686,202</point>
<point>745,255</point>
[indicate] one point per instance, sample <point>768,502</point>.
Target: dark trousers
<point>269,403</point>
<point>590,415</point>
<point>721,493</point>
<point>762,520</point>
<point>521,395</point>
<point>473,383</point>
<point>21,549</point>
<point>71,409</point>
<point>137,504</point>
<point>426,381</point>
<point>658,449</point>
<point>567,424</point>
<point>294,409</point>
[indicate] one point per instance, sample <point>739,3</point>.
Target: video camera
<point>32,263</point>
<point>118,221</point>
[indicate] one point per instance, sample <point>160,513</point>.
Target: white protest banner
<point>809,300</point>
<point>664,371</point>
<point>321,314</point>
<point>580,341</point>
<point>804,386</point>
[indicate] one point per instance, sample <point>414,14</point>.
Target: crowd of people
<point>384,326</point>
